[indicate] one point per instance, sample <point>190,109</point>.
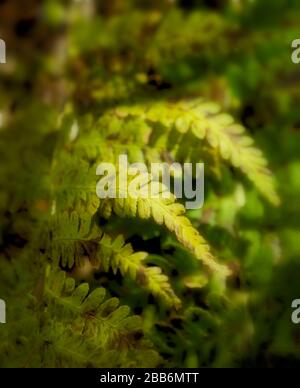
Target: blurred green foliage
<point>92,56</point>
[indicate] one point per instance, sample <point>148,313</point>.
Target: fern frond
<point>74,182</point>
<point>64,325</point>
<point>118,255</point>
<point>99,318</point>
<point>165,211</point>
<point>86,328</point>
<point>206,122</point>
<point>72,238</point>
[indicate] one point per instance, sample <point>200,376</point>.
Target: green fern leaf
<point>85,328</point>
<point>71,239</point>
<point>165,211</point>
<point>219,130</point>
<point>120,256</point>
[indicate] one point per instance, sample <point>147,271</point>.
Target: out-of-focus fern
<point>71,239</point>
<point>91,327</point>
<point>68,326</point>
